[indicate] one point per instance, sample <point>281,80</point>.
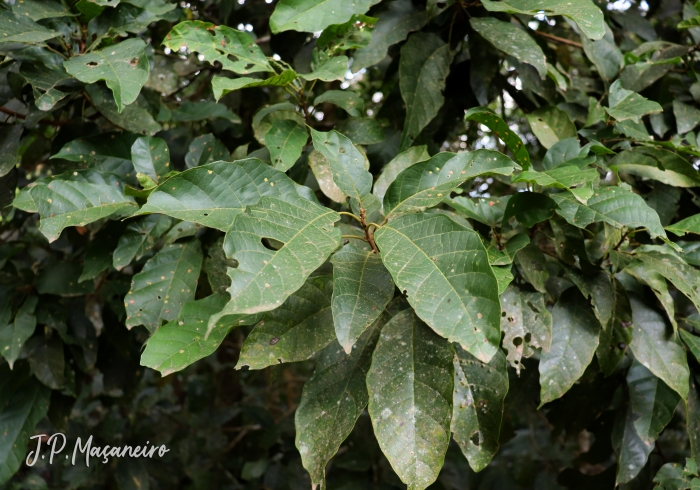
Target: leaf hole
<point>517,341</point>
<point>92,64</point>
<point>474,438</point>
<point>528,337</point>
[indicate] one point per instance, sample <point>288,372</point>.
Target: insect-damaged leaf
<point>477,407</point>
<point>362,287</point>
<point>444,270</point>
<point>295,331</point>
<point>410,398</point>
<point>314,15</point>
<point>166,282</point>
<point>332,401</point>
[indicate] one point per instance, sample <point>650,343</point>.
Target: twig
<point>351,215</point>
<point>558,39</point>
<point>12,113</point>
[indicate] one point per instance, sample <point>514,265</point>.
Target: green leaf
<point>689,23</point>
<point>205,149</point>
<point>533,266</point>
<point>477,405</point>
<point>652,402</point>
<point>265,278</point>
<point>362,130</point>
<point>346,163</point>
<point>503,276</point>
<point>40,9</point>
<point>151,156</point>
<point>139,238</point>
<point>428,183</point>
<point>563,177</point>
<point>632,450</point>
<point>201,111</point>
<point>9,146</point>
<point>692,342</point>
<point>485,116</point>
<point>625,104</point>
<point>683,276</point>
<point>222,85</point>
<point>23,403</point>
<point>98,256</point>
<point>488,211</point>
<point>47,361</point>
<point>212,195</point>
<point>687,116</point>
<point>101,149</point>
<point>506,255</point>
<point>529,208</point>
<point>575,333</point>
<point>606,57</point>
<point>585,13</point>
<point>285,140</point>
<point>45,81</point>
<point>331,402</point>
<point>550,124</point>
<point>333,69</point>
<point>656,346</point>
<point>657,164</point>
<point>78,198</point>
<point>410,398</point>
<point>512,40</point>
<point>443,269</point>
<point>166,282</point>
<point>265,117</point>
<point>177,344</point>
<point>527,324</point>
<point>132,117</point>
<point>124,68</point>
<point>322,171</point>
<point>362,287</point>
<point>62,279</point>
<point>314,15</point>
<point>295,331</point>
<point>235,50</point>
<point>687,225</point>
<point>423,68</point>
<point>15,334</point>
<point>21,29</point>
<point>397,165</point>
<point>349,101</point>
<point>613,205</point>
<point>394,24</point>
<point>692,417</point>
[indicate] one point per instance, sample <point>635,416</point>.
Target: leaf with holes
<point>285,140</point>
<point>212,195</point>
<point>485,116</point>
<point>362,287</point>
<point>124,68</point>
<point>410,386</point>
<point>314,15</point>
<point>443,269</point>
<point>575,331</point>
<point>477,405</point>
<point>166,282</point>
<point>295,331</point>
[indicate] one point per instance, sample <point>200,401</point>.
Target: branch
<point>558,39</point>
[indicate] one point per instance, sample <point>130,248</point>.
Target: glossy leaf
<point>15,334</point>
<point>314,15</point>
<point>410,398</point>
<point>443,270</point>
<point>633,451</point>
<point>285,140</point>
<point>652,402</point>
<point>687,225</point>
<point>151,156</point>
<point>397,165</point>
<point>485,116</point>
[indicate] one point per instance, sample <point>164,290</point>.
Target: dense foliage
<point>351,244</point>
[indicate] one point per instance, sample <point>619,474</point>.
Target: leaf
<point>512,40</point>
<point>362,130</point>
<point>21,29</point>
<point>362,287</point>
<point>151,156</point>
<point>78,198</point>
<point>181,342</point>
<point>295,331</point>
<point>485,116</point>
<point>656,346</point>
<point>625,104</point>
<point>488,211</point>
<point>423,68</point>
<point>563,177</point>
<point>166,282</point>
<point>23,403</point>
<point>40,9</point>
<point>47,361</point>
<point>101,149</point>
<point>314,15</point>
<point>529,208</point>
<point>575,333</point>
<point>410,398</point>
<point>443,269</point>
<point>533,266</point>
<point>346,163</point>
<point>526,324</point>
<point>98,255</point>
<point>139,238</point>
<point>503,276</point>
<point>633,451</point>
<point>222,85</point>
<point>63,279</point>
<point>692,342</point>
<point>132,117</point>
<point>652,402</point>
<point>393,26</point>
<point>285,140</point>
<point>124,68</point>
<point>212,195</point>
<point>349,101</point>
<point>477,405</point>
<point>613,205</point>
<point>265,117</point>
<point>585,13</point>
<point>9,146</point>
<point>550,124</point>
<point>506,255</point>
<point>605,55</point>
<point>692,417</point>
<point>15,334</point>
<point>657,164</point>
<point>683,276</point>
<point>265,278</point>
<point>687,116</point>
<point>333,69</point>
<point>429,182</point>
<point>205,149</point>
<point>235,50</point>
<point>687,225</point>
<point>331,402</point>
<point>201,111</point>
<point>397,165</point>
<point>322,171</point>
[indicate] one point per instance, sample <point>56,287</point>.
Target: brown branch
<point>558,39</point>
<point>12,113</point>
